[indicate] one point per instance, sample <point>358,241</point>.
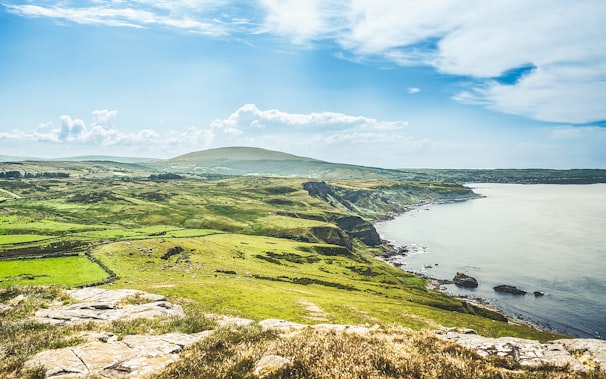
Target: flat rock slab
<point>578,354</point>
<point>100,295</point>
<point>98,304</point>
<point>283,326</point>
<point>133,357</point>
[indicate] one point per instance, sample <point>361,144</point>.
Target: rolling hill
<point>257,161</point>
<point>241,161</point>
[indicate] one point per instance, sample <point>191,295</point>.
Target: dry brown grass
<point>399,353</point>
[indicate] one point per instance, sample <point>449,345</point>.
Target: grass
<point>20,238</point>
<point>66,271</point>
<point>226,273</point>
<point>21,338</point>
<point>392,353</point>
<point>252,247</point>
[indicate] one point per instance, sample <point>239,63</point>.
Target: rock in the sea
<point>538,293</point>
<point>509,289</point>
<point>466,281</point>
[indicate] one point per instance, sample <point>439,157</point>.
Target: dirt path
<point>10,194</point>
<point>314,312</point>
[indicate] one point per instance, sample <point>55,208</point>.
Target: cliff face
<point>368,204</point>
<point>380,201</point>
<point>359,228</point>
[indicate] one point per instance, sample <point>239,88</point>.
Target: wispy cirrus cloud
<point>193,16</point>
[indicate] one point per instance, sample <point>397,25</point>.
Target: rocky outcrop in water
<point>466,281</point>
<point>505,288</point>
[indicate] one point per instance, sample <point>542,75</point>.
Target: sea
<point>539,237</point>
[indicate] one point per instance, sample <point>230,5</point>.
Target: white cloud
<point>74,131</point>
<point>104,116</point>
<point>413,90</point>
<point>475,39</point>
<point>483,40</point>
<point>327,135</point>
<point>303,21</point>
<point>330,136</point>
<point>334,137</point>
<point>116,14</point>
<point>253,120</point>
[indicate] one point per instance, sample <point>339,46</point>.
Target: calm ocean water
<point>548,238</point>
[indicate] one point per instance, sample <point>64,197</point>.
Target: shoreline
<point>394,256</point>
<point>424,203</point>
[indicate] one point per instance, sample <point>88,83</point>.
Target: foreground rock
<point>465,281</point>
<point>137,356</point>
<point>133,356</point>
<point>98,304</point>
<point>271,365</point>
<point>509,289</point>
<point>577,354</point>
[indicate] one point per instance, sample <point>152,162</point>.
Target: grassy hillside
<point>246,246</point>
<point>255,161</point>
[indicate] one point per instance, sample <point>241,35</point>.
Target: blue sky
<point>389,83</point>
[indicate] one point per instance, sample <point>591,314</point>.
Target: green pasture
<point>65,271</point>
<point>263,277</point>
<point>21,238</point>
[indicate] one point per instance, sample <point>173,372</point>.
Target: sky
<point>384,83</point>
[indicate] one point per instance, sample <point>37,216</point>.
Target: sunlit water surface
<point>548,238</point>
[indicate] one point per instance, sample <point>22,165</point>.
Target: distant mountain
<point>257,161</point>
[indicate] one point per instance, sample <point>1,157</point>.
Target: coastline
<point>438,285</point>
<point>486,238</point>
<point>396,256</point>
<point>424,203</point>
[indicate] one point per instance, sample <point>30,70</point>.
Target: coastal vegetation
<point>293,248</point>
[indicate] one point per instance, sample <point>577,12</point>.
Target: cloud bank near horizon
<point>562,43</point>
<point>321,135</point>
<point>330,136</point>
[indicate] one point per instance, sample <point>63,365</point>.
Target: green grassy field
<point>247,246</point>
<point>20,238</point>
<point>64,271</point>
